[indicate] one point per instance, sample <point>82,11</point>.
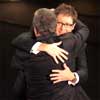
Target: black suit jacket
<point>25,63</point>
<point>25,41</point>
<point>75,49</point>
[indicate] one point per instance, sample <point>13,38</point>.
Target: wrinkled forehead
<point>64,18</point>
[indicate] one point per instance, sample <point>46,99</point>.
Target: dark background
<point>16,17</point>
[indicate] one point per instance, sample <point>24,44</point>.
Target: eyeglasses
<point>65,24</point>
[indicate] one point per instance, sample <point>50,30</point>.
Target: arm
<point>19,59</point>
<point>81,63</point>
<point>19,86</point>
<point>81,31</point>
<point>67,75</point>
<point>25,43</point>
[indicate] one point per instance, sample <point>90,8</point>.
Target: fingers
<point>65,66</point>
<point>56,81</point>
<point>55,59</point>
<point>61,58</point>
<point>64,51</point>
<point>55,77</point>
<point>56,71</point>
<point>59,75</point>
<point>57,53</point>
<point>60,49</point>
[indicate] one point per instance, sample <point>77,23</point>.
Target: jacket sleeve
<point>81,65</point>
<point>19,59</point>
<point>19,86</point>
<point>24,42</point>
<point>81,31</point>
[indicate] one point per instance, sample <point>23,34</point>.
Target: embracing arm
<point>81,64</point>
<point>79,75</point>
<point>19,86</point>
<point>26,43</point>
<point>81,31</point>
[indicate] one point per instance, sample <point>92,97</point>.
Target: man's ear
<point>36,32</point>
<point>73,26</point>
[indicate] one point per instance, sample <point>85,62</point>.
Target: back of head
<point>44,21</point>
<point>67,10</point>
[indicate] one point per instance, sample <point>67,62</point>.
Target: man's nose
<point>63,27</point>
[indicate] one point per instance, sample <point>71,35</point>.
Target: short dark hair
<point>67,10</point>
<point>44,20</point>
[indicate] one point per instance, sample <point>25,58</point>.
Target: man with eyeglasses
<point>66,23</point>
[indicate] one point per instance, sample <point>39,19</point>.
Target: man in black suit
<point>80,31</point>
<point>80,56</point>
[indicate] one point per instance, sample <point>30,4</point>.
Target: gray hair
<point>44,21</point>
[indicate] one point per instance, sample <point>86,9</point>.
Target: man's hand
<point>62,75</point>
<point>54,51</point>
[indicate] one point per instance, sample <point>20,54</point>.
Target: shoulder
<point>25,36</point>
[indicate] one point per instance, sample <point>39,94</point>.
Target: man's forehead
<point>65,18</point>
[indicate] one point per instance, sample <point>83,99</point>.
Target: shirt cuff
<point>35,47</point>
<point>77,80</point>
